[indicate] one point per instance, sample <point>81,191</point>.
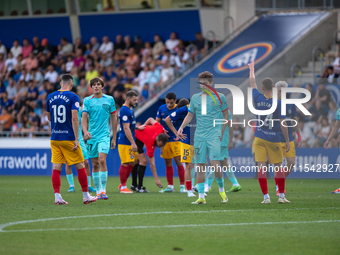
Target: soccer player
<point>151,134</point>
<point>62,110</point>
<point>97,111</point>
<point>127,147</point>
<point>68,169</point>
<point>186,148</point>
<point>207,136</point>
<point>267,141</point>
<point>331,136</point>
<point>172,150</point>
<point>290,114</point>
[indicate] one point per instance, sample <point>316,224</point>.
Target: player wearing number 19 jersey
<point>267,142</point>
<point>62,110</point>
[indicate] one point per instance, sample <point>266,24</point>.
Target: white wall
<point>213,18</point>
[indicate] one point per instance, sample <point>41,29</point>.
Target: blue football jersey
<point>178,116</point>
<point>126,115</point>
<point>60,105</point>
<point>270,130</point>
<point>290,114</point>
<point>164,112</point>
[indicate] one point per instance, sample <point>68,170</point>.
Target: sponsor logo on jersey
<point>238,59</point>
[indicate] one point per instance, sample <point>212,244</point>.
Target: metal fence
<point>265,5</point>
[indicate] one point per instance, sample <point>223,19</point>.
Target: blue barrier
<point>322,164</point>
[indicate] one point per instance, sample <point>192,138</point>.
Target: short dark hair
<point>95,80</point>
<point>131,94</point>
<point>206,76</point>
<point>268,83</point>
<point>170,95</point>
<point>182,102</point>
<point>67,77</point>
<point>162,138</point>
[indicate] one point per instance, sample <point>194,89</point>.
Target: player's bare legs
<point>262,177</point>
<point>100,173</point>
<point>169,172</point>
<point>281,179</point>
<point>124,173</point>
<point>287,170</point>
<point>231,176</point>
<point>188,179</point>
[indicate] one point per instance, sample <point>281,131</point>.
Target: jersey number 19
<point>61,112</point>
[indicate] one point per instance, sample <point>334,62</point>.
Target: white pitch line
<point>5,225</point>
<point>175,226</point>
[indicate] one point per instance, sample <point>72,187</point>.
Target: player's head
<point>205,78</point>
<point>170,100</point>
<point>97,85</point>
<point>267,84</point>
<point>131,98</point>
<point>66,82</point>
<point>182,102</point>
<point>161,140</point>
<point>279,85</point>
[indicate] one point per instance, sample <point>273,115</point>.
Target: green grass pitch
<point>157,223</point>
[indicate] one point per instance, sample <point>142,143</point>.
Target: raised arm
<point>150,121</point>
<point>171,126</point>
<point>332,134</point>
<point>252,75</point>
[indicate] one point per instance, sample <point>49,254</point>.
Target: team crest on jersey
<point>105,106</point>
<point>184,157</point>
<point>238,59</point>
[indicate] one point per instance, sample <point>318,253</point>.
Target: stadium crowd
<point>29,72</point>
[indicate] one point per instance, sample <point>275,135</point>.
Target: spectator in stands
<point>322,133</point>
<point>329,75</point>
<point>128,44</point>
<point>44,62</point>
<point>307,135</point>
<point>3,50</point>
<point>37,48</point>
<point>172,42</point>
<point>323,95</point>
<point>79,60</point>
<point>109,74</point>
<point>145,5</point>
<point>94,44</point>
<point>142,76</point>
<point>11,89</point>
<point>167,57</point>
<point>145,94</point>
<point>66,47</point>
<point>69,64</point>
<point>32,124</point>
<point>181,60</point>
<point>51,75</point>
<point>87,49</point>
<point>167,74</point>
<point>317,111</point>
<point>157,47</point>
<point>20,61</point>
<point>139,45</point>
<point>132,60</point>
<point>82,89</point>
<point>78,46</point>
<point>5,102</point>
<point>146,60</point>
<point>16,48</point>
<point>37,77</point>
<point>31,62</point>
<point>199,44</point>
<point>106,47</point>
<point>17,74</point>
<point>9,65</point>
<point>119,45</point>
<point>44,122</point>
<point>109,7</point>
<point>332,54</point>
<point>25,76</point>
<point>105,61</point>
<point>91,73</point>
<point>153,77</point>
<point>336,64</point>
<point>332,111</point>
<point>26,49</point>
<point>122,77</point>
<point>48,50</point>
<point>6,120</point>
<point>147,50</point>
<point>312,93</point>
<point>2,64</point>
<point>237,134</point>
